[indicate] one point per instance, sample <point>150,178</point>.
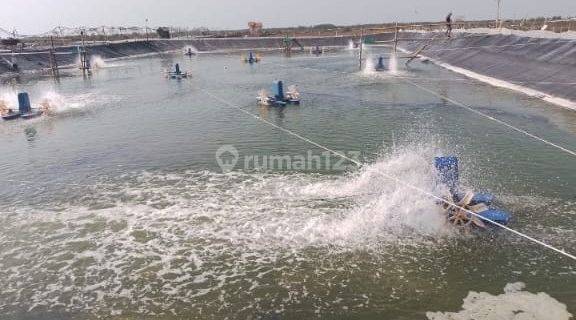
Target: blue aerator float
<point>25,111</point>
<point>189,52</point>
<point>252,58</point>
<point>177,73</point>
<point>380,66</point>
<point>317,50</point>
<point>479,203</point>
<point>280,98</point>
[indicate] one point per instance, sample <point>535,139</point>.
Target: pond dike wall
<point>36,60</point>
<point>545,65</point>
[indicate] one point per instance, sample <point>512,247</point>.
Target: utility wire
<point>462,105</point>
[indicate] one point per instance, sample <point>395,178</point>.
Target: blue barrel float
<point>26,111</point>
<point>380,66</point>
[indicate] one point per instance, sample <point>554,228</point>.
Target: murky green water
<point>116,207</point>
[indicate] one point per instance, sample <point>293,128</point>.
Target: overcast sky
<point>36,16</point>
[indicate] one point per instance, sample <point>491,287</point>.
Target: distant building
<point>255,28</point>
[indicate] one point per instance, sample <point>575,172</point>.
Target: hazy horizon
<point>37,16</point>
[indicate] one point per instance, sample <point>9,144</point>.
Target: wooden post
<point>147,39</point>
<point>84,63</point>
<point>361,46</point>
<point>53,61</point>
<point>498,18</point>
<point>395,38</point>
<point>105,34</point>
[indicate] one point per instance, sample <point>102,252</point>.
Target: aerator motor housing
<point>459,204</point>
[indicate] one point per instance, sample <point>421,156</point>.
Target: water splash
<point>369,67</point>
<point>393,64</point>
<point>358,210</point>
<point>52,102</point>
<point>97,62</point>
<point>8,100</point>
<point>351,45</point>
<point>196,238</point>
<point>386,206</point>
<point>190,50</point>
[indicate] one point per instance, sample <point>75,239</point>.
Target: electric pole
<point>498,14</point>
<point>146,30</point>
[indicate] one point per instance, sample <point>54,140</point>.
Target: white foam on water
<point>369,67</point>
<point>351,45</point>
<point>190,48</point>
<point>393,64</point>
<point>53,103</point>
<point>97,62</point>
<point>193,234</point>
<point>388,208</point>
<point>513,304</point>
<point>158,240</point>
<point>56,103</point>
<point>9,98</point>
<point>370,71</point>
<point>49,101</point>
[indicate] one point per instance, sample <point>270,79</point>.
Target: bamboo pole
<point>395,38</point>
<point>53,62</point>
<point>361,47</point>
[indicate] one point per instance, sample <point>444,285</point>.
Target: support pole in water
<point>147,39</point>
<point>53,62</point>
<point>361,46</point>
<point>498,12</point>
<point>84,63</point>
<point>13,62</point>
<point>395,38</point>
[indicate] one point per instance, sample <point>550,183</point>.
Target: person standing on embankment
<point>449,25</point>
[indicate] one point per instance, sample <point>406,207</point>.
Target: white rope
<point>504,123</point>
<point>462,105</point>
<point>390,177</point>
